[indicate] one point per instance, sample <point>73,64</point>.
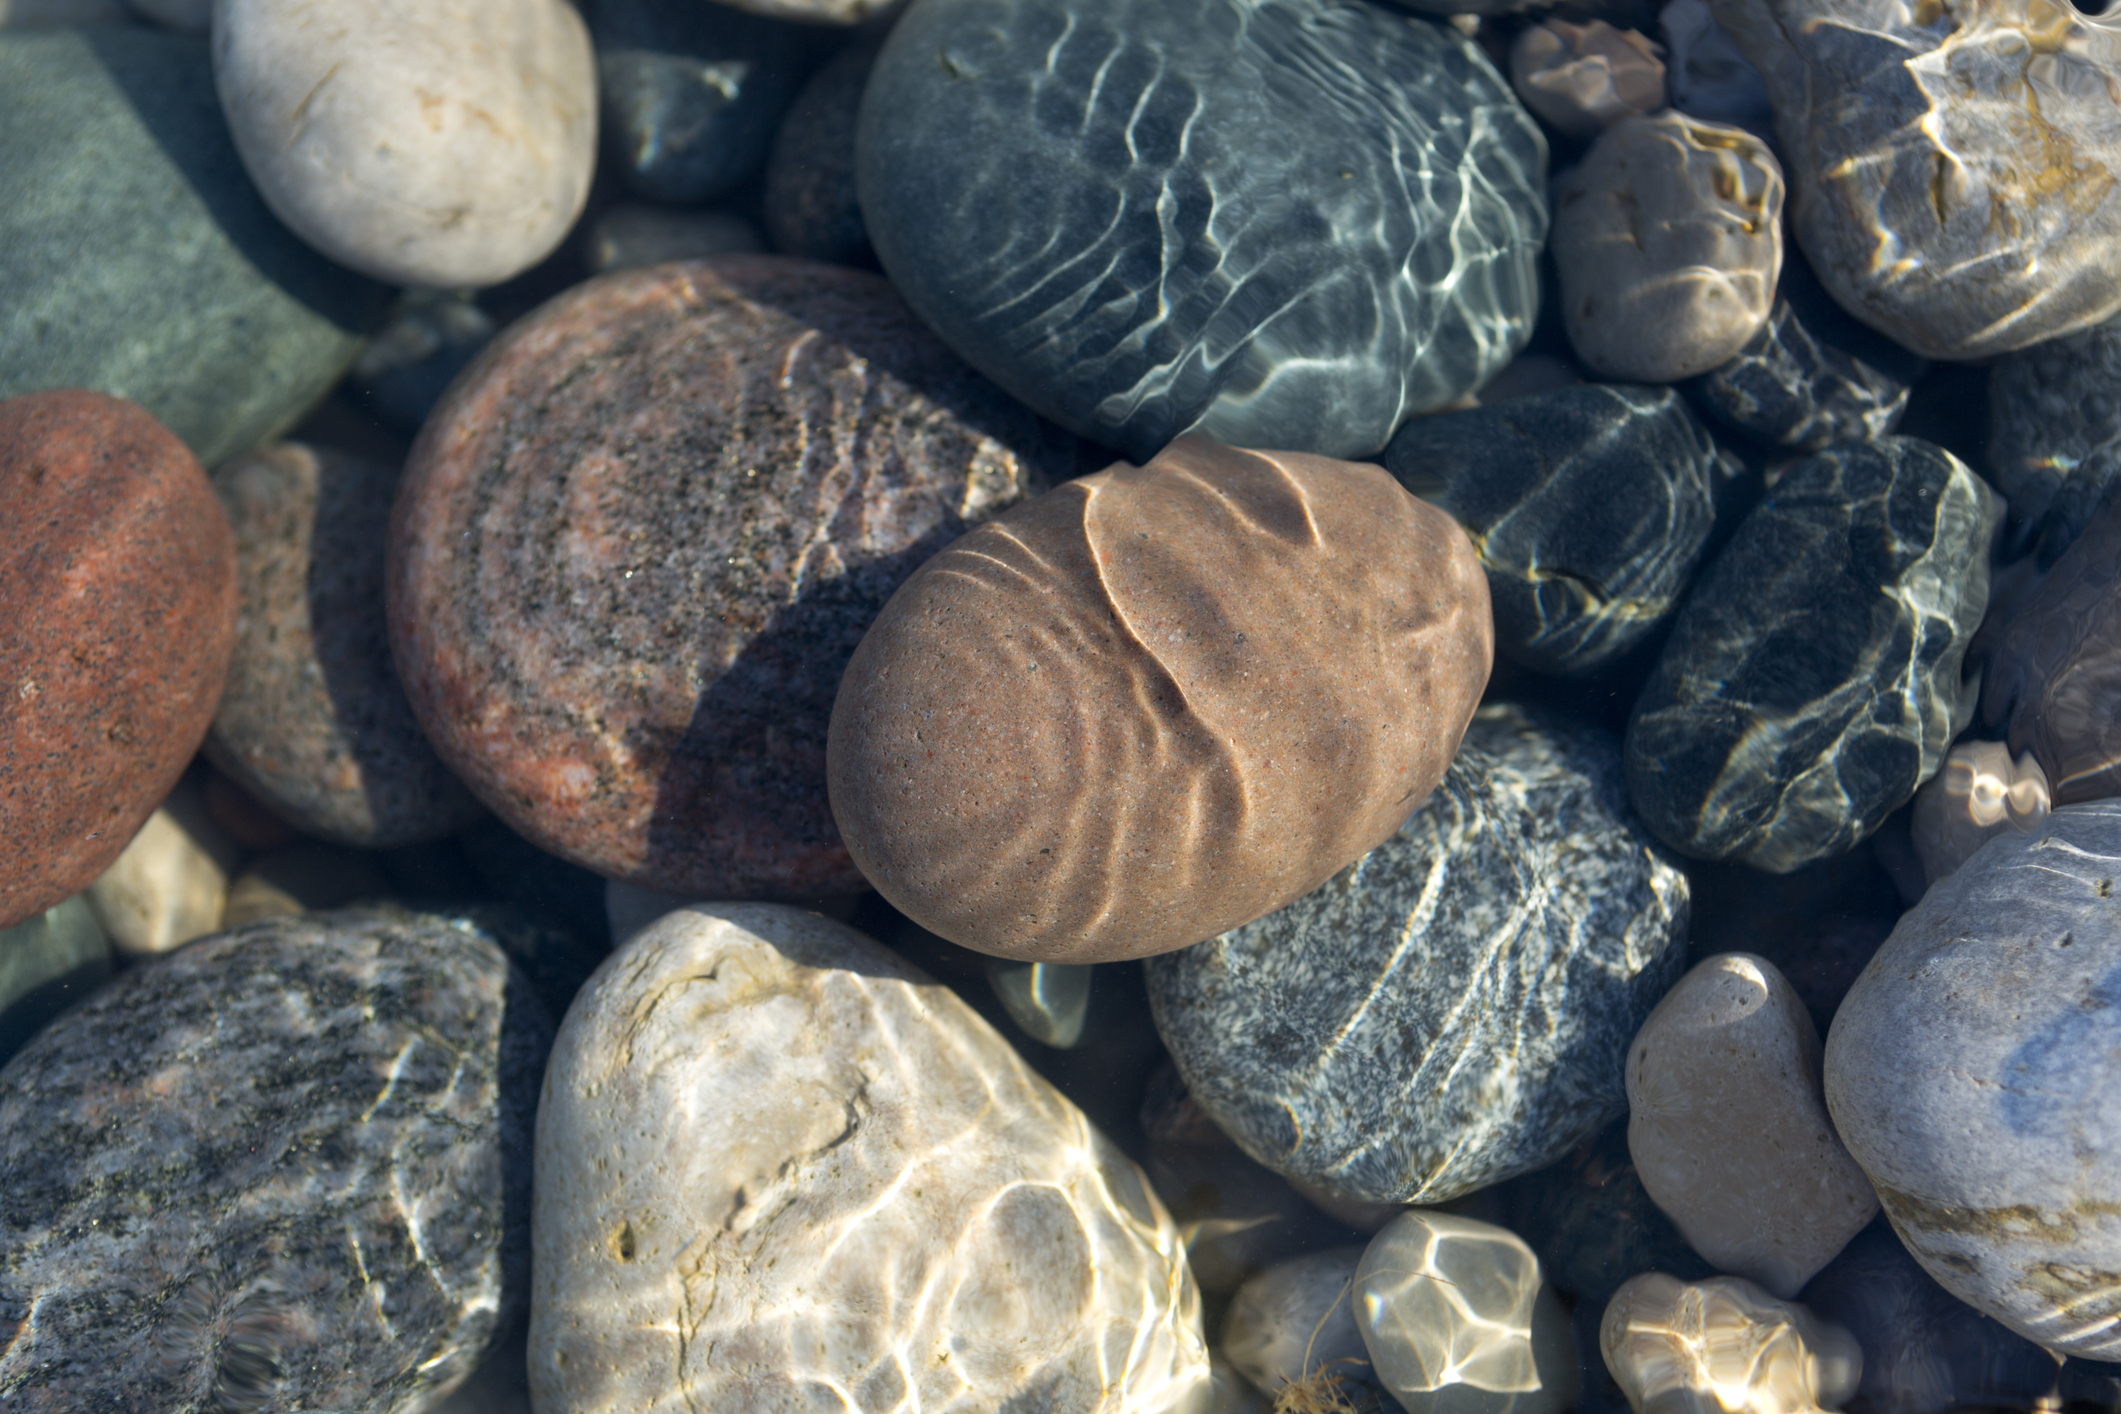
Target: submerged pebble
<point>170,885</point>
<point>1980,793</point>
<point>48,961</point>
<point>1296,1320</point>
<point>2054,436</point>
<point>1583,78</point>
<point>1723,1346</point>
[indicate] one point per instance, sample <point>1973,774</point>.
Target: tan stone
<point>1157,702</point>
<point>1978,795</point>
<point>1723,1346</point>
<point>1728,1127</point>
<point>1582,78</point>
<point>171,883</point>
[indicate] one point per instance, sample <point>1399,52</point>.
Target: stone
<point>745,458</point>
<point>211,315</point>
<point>1296,1320</point>
<point>1455,1007</point>
<point>774,1159</point>
<point>1955,166</point>
<point>1820,925</point>
<point>1288,224</point>
<point>1723,1346</point>
<point>241,815</point>
<point>631,237</point>
<point>1582,78</point>
<point>1237,1217</point>
<point>23,14</point>
<point>48,962</point>
<point>313,721</point>
<point>1048,1000</point>
<point>1971,1072</point>
<point>1787,388</point>
<point>191,16</point>
<point>1458,1319</point>
<point>1590,508</point>
<point>442,145</point>
<point>120,618</point>
<point>2054,437</point>
<point>1813,677</point>
<point>810,206</point>
<point>1668,243</point>
<point>1157,702</point>
<point>306,879</point>
<point>1708,75</point>
<point>286,1167</point>
<point>403,371</point>
<point>1980,793</point>
<point>170,885</point>
<point>1728,1127</point>
<point>822,12</point>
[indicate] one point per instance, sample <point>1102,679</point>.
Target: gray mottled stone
<point>286,1167</point>
<point>2054,439</point>
<point>1282,223</point>
<point>1455,1006</point>
<point>1590,508</point>
<point>1789,388</point>
<point>1812,679</point>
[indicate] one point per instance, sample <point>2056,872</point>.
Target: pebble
<point>1220,677</point>
<point>1708,75</point>
<point>305,879</point>
<point>1964,216</point>
<point>1590,508</point>
<point>1980,793</point>
<point>120,615</point>
<point>632,237</point>
<point>2054,436</point>
<point>1285,225</point>
<point>745,458</point>
<point>1295,1321</point>
<point>1789,389</point>
<point>1729,1131</point>
<point>1723,1346</point>
<point>773,1158</point>
<point>1668,243</point>
<point>1583,78</point>
<point>1971,1072</point>
<point>438,145</point>
<point>403,371</point>
<point>211,316</point>
<point>48,962</point>
<point>1458,1319</point>
<point>810,206</point>
<point>1455,1007</point>
<point>1049,1000</point>
<point>170,885</point>
<point>286,1167</point>
<point>824,12</point>
<point>1237,1217</point>
<point>1812,679</point>
<point>313,721</point>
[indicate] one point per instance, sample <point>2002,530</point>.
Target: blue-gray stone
<point>137,259</point>
<point>1789,389</point>
<point>1454,1007</point>
<point>1590,508</point>
<point>2054,442</point>
<point>1283,223</point>
<point>1812,679</point>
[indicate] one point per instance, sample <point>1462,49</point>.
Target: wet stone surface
<point>2054,436</point>
<point>1789,388</point>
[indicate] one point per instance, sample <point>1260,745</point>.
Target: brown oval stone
<point>1158,702</point>
<point>119,577</point>
<point>638,541</point>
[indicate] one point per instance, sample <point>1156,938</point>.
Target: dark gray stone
<point>1812,679</point>
<point>811,208</point>
<point>137,259</point>
<point>1285,224</point>
<point>1787,388</point>
<point>2054,440</point>
<point>1590,508</point>
<point>47,963</point>
<point>1453,1008</point>
<point>429,338</point>
<point>286,1167</point>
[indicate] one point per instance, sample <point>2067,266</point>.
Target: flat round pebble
<point>119,577</point>
<point>1287,224</point>
<point>1157,702</point>
<point>1296,1319</point>
<point>638,542</point>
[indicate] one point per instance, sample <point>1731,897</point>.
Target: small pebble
<point>1049,1000</point>
<point>403,371</point>
<point>305,879</point>
<point>1788,388</point>
<point>1583,78</point>
<point>1237,1217</point>
<point>810,205</point>
<point>48,962</point>
<point>1708,75</point>
<point>171,883</point>
<point>1295,1321</point>
<point>631,237</point>
<point>1980,793</point>
<point>1723,1346</point>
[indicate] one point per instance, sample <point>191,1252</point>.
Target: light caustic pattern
<point>1723,1346</point>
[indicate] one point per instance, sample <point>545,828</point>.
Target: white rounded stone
<point>1668,241</point>
<point>443,142</point>
<point>1723,1346</point>
<point>1980,793</point>
<point>1582,78</point>
<point>778,1169</point>
<point>1295,1321</point>
<point>170,884</point>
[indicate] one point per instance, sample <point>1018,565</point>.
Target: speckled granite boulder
<point>1813,680</point>
<point>1792,389</point>
<point>1971,1071</point>
<point>2054,436</point>
<point>1454,1007</point>
<point>1980,793</point>
<point>1955,164</point>
<point>1286,224</point>
<point>286,1167</point>
<point>1723,1346</point>
<point>1581,78</point>
<point>1589,507</point>
<point>745,458</point>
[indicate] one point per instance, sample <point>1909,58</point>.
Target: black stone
<point>1787,388</point>
<point>811,208</point>
<point>2054,447</point>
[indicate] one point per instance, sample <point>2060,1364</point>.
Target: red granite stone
<point>118,581</point>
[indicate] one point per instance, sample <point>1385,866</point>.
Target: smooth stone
<point>1050,1001</point>
<point>1237,1217</point>
<point>1813,678</point>
<point>744,457</point>
<point>756,1102</point>
<point>241,815</point>
<point>810,205</point>
<point>48,962</point>
<point>25,14</point>
<point>306,879</point>
<point>1288,224</point>
<point>1980,793</point>
<point>1723,1346</point>
<point>210,315</point>
<point>1952,189</point>
<point>1590,508</point>
<point>191,16</point>
<point>1227,1392</point>
<point>1455,1007</point>
<point>1790,389</point>
<point>313,721</point>
<point>632,237</point>
<point>1295,1321</point>
<point>119,581</point>
<point>286,1167</point>
<point>1708,75</point>
<point>1583,78</point>
<point>1459,1320</point>
<point>1157,702</point>
<point>2054,436</point>
<point>821,12</point>
<point>1668,242</point>
<point>1971,1072</point>
<point>1728,1127</point>
<point>430,337</point>
<point>170,885</point>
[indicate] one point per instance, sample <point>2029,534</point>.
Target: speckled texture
<point>1453,1008</point>
<point>638,542</point>
<point>313,721</point>
<point>1157,702</point>
<point>2054,436</point>
<point>119,577</point>
<point>1812,680</point>
<point>1281,223</point>
<point>283,1168</point>
<point>1590,508</point>
<point>1788,388</point>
